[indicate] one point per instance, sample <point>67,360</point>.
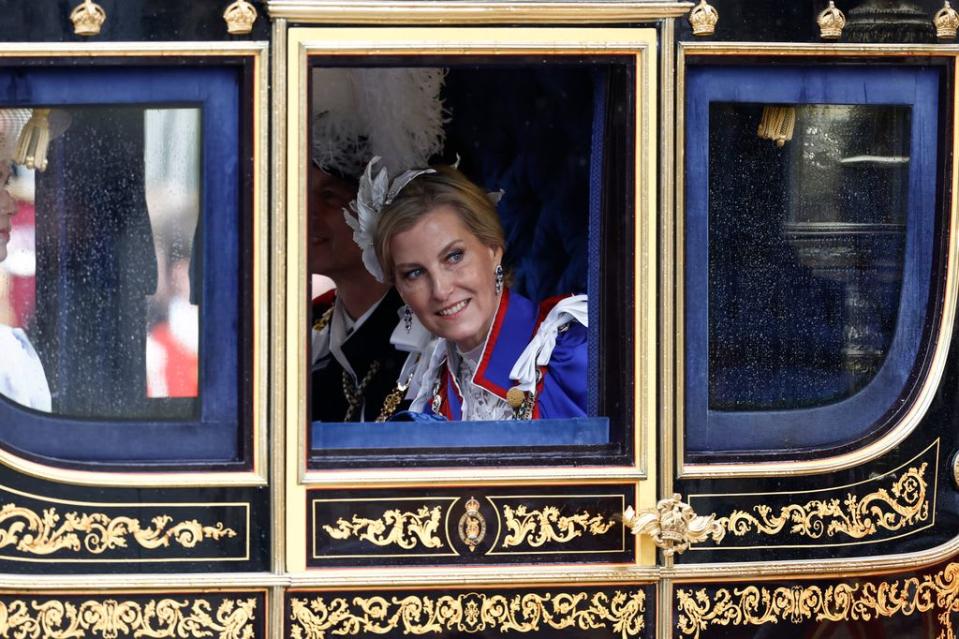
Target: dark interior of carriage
<point>555,134</point>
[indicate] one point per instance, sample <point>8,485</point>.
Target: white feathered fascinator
<point>374,193</point>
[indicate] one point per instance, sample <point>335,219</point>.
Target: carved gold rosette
<point>903,504</point>
<point>45,534</point>
<point>111,618</point>
<point>395,527</point>
<point>538,527</point>
<point>471,612</point>
<point>756,605</point>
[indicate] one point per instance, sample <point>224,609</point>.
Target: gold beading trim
<point>538,527</point>
<point>274,318</point>
<point>110,618</point>
<point>471,612</point>
<point>759,605</point>
<point>471,12</point>
<point>404,529</point>
<point>904,504</point>
<point>97,532</point>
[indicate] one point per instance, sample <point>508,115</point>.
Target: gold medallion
<point>472,525</point>
<point>515,397</point>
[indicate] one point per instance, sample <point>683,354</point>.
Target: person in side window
<point>22,378</point>
<point>357,373</point>
<point>355,367</point>
<point>501,356</point>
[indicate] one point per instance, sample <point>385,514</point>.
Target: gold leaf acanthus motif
<point>404,529</point>
<point>469,612</point>
<point>904,504</point>
<point>538,527</point>
<point>755,606</point>
<point>110,618</point>
<point>45,534</point>
<point>673,525</point>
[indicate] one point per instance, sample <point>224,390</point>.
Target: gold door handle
<point>673,525</point>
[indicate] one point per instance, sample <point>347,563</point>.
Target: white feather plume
<point>395,113</point>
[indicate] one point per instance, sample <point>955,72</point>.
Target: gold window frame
<point>673,233</point>
<point>258,53</point>
<point>303,42</point>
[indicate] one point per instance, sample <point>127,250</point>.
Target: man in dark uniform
<point>355,367</point>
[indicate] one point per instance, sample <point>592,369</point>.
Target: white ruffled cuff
<point>540,349</point>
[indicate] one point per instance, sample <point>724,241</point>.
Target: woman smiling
<point>500,355</point>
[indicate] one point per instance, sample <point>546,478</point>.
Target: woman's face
<point>447,277</point>
<point>8,208</point>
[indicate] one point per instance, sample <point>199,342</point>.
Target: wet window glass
<point>806,245</point>
<point>99,268</point>
<point>122,257</point>
<point>810,215</point>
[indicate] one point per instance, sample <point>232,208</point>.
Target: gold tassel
<point>34,141</point>
<point>778,124</point>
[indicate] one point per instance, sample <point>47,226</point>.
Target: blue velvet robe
<point>562,389</point>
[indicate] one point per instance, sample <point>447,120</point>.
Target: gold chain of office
<point>354,392</point>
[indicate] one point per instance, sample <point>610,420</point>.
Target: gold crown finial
<point>947,22</point>
<point>239,16</point>
<point>703,19</point>
<point>472,506</point>
<point>831,21</point>
<point>87,18</point>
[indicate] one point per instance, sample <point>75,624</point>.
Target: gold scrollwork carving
<point>109,618</point>
<point>754,605</point>
<point>537,527</point>
<point>673,525</point>
<point>404,529</point>
<point>468,612</point>
<point>904,504</point>
<point>44,534</point>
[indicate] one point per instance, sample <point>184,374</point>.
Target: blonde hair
<point>447,186</point>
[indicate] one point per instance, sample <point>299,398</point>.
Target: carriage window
<point>812,254</point>
<point>120,282</point>
<point>470,292</point>
<point>101,288</point>
<point>809,253</point>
